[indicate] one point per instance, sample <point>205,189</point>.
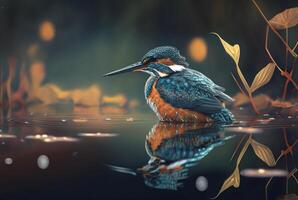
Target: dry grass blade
<point>286,19</point>
<point>263,152</point>
<point>263,77</point>
<point>233,180</point>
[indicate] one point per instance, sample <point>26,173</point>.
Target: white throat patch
<point>176,68</point>
<point>161,74</point>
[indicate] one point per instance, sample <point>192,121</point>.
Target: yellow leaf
<point>263,152</point>
<point>263,77</point>
<point>233,51</point>
<point>286,19</point>
<point>233,180</point>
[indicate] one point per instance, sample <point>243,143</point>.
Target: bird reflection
<point>173,149</point>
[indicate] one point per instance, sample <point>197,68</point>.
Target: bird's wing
<point>191,89</point>
<point>203,81</point>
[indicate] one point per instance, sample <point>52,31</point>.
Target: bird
<point>177,93</point>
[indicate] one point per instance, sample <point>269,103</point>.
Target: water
<point>65,155</point>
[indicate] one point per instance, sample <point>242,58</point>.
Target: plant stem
<point>273,29</point>
<point>289,76</point>
<point>285,89</point>
<point>287,41</point>
<point>253,103</point>
<point>283,73</point>
<point>241,90</point>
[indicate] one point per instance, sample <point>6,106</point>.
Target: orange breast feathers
<point>167,112</point>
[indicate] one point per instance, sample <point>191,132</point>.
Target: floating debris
<point>98,134</point>
<point>263,173</point>
<point>8,161</point>
<point>50,138</point>
<point>244,130</point>
<point>43,161</point>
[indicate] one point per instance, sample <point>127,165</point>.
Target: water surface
<point>76,155</point>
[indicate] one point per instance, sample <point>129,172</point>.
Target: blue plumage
<point>177,93</point>
<point>190,89</point>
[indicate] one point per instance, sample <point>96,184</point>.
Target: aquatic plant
<point>261,151</point>
<point>283,20</point>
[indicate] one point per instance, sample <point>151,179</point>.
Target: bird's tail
<point>223,117</point>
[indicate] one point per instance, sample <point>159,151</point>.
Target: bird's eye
<point>148,60</point>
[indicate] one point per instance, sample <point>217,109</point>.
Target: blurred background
<point>68,45</point>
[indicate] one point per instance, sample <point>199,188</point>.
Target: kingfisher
<point>177,93</point>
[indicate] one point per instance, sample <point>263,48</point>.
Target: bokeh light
<point>198,49</point>
<point>51,139</point>
<point>202,183</point>
<point>264,173</point>
<point>47,31</point>
<point>98,134</point>
<point>7,136</point>
<point>43,161</point>
<point>8,161</point>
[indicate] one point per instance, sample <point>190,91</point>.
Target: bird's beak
<point>130,68</point>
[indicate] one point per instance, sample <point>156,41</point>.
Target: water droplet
<point>43,161</point>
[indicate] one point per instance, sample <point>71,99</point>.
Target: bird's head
<point>160,61</point>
